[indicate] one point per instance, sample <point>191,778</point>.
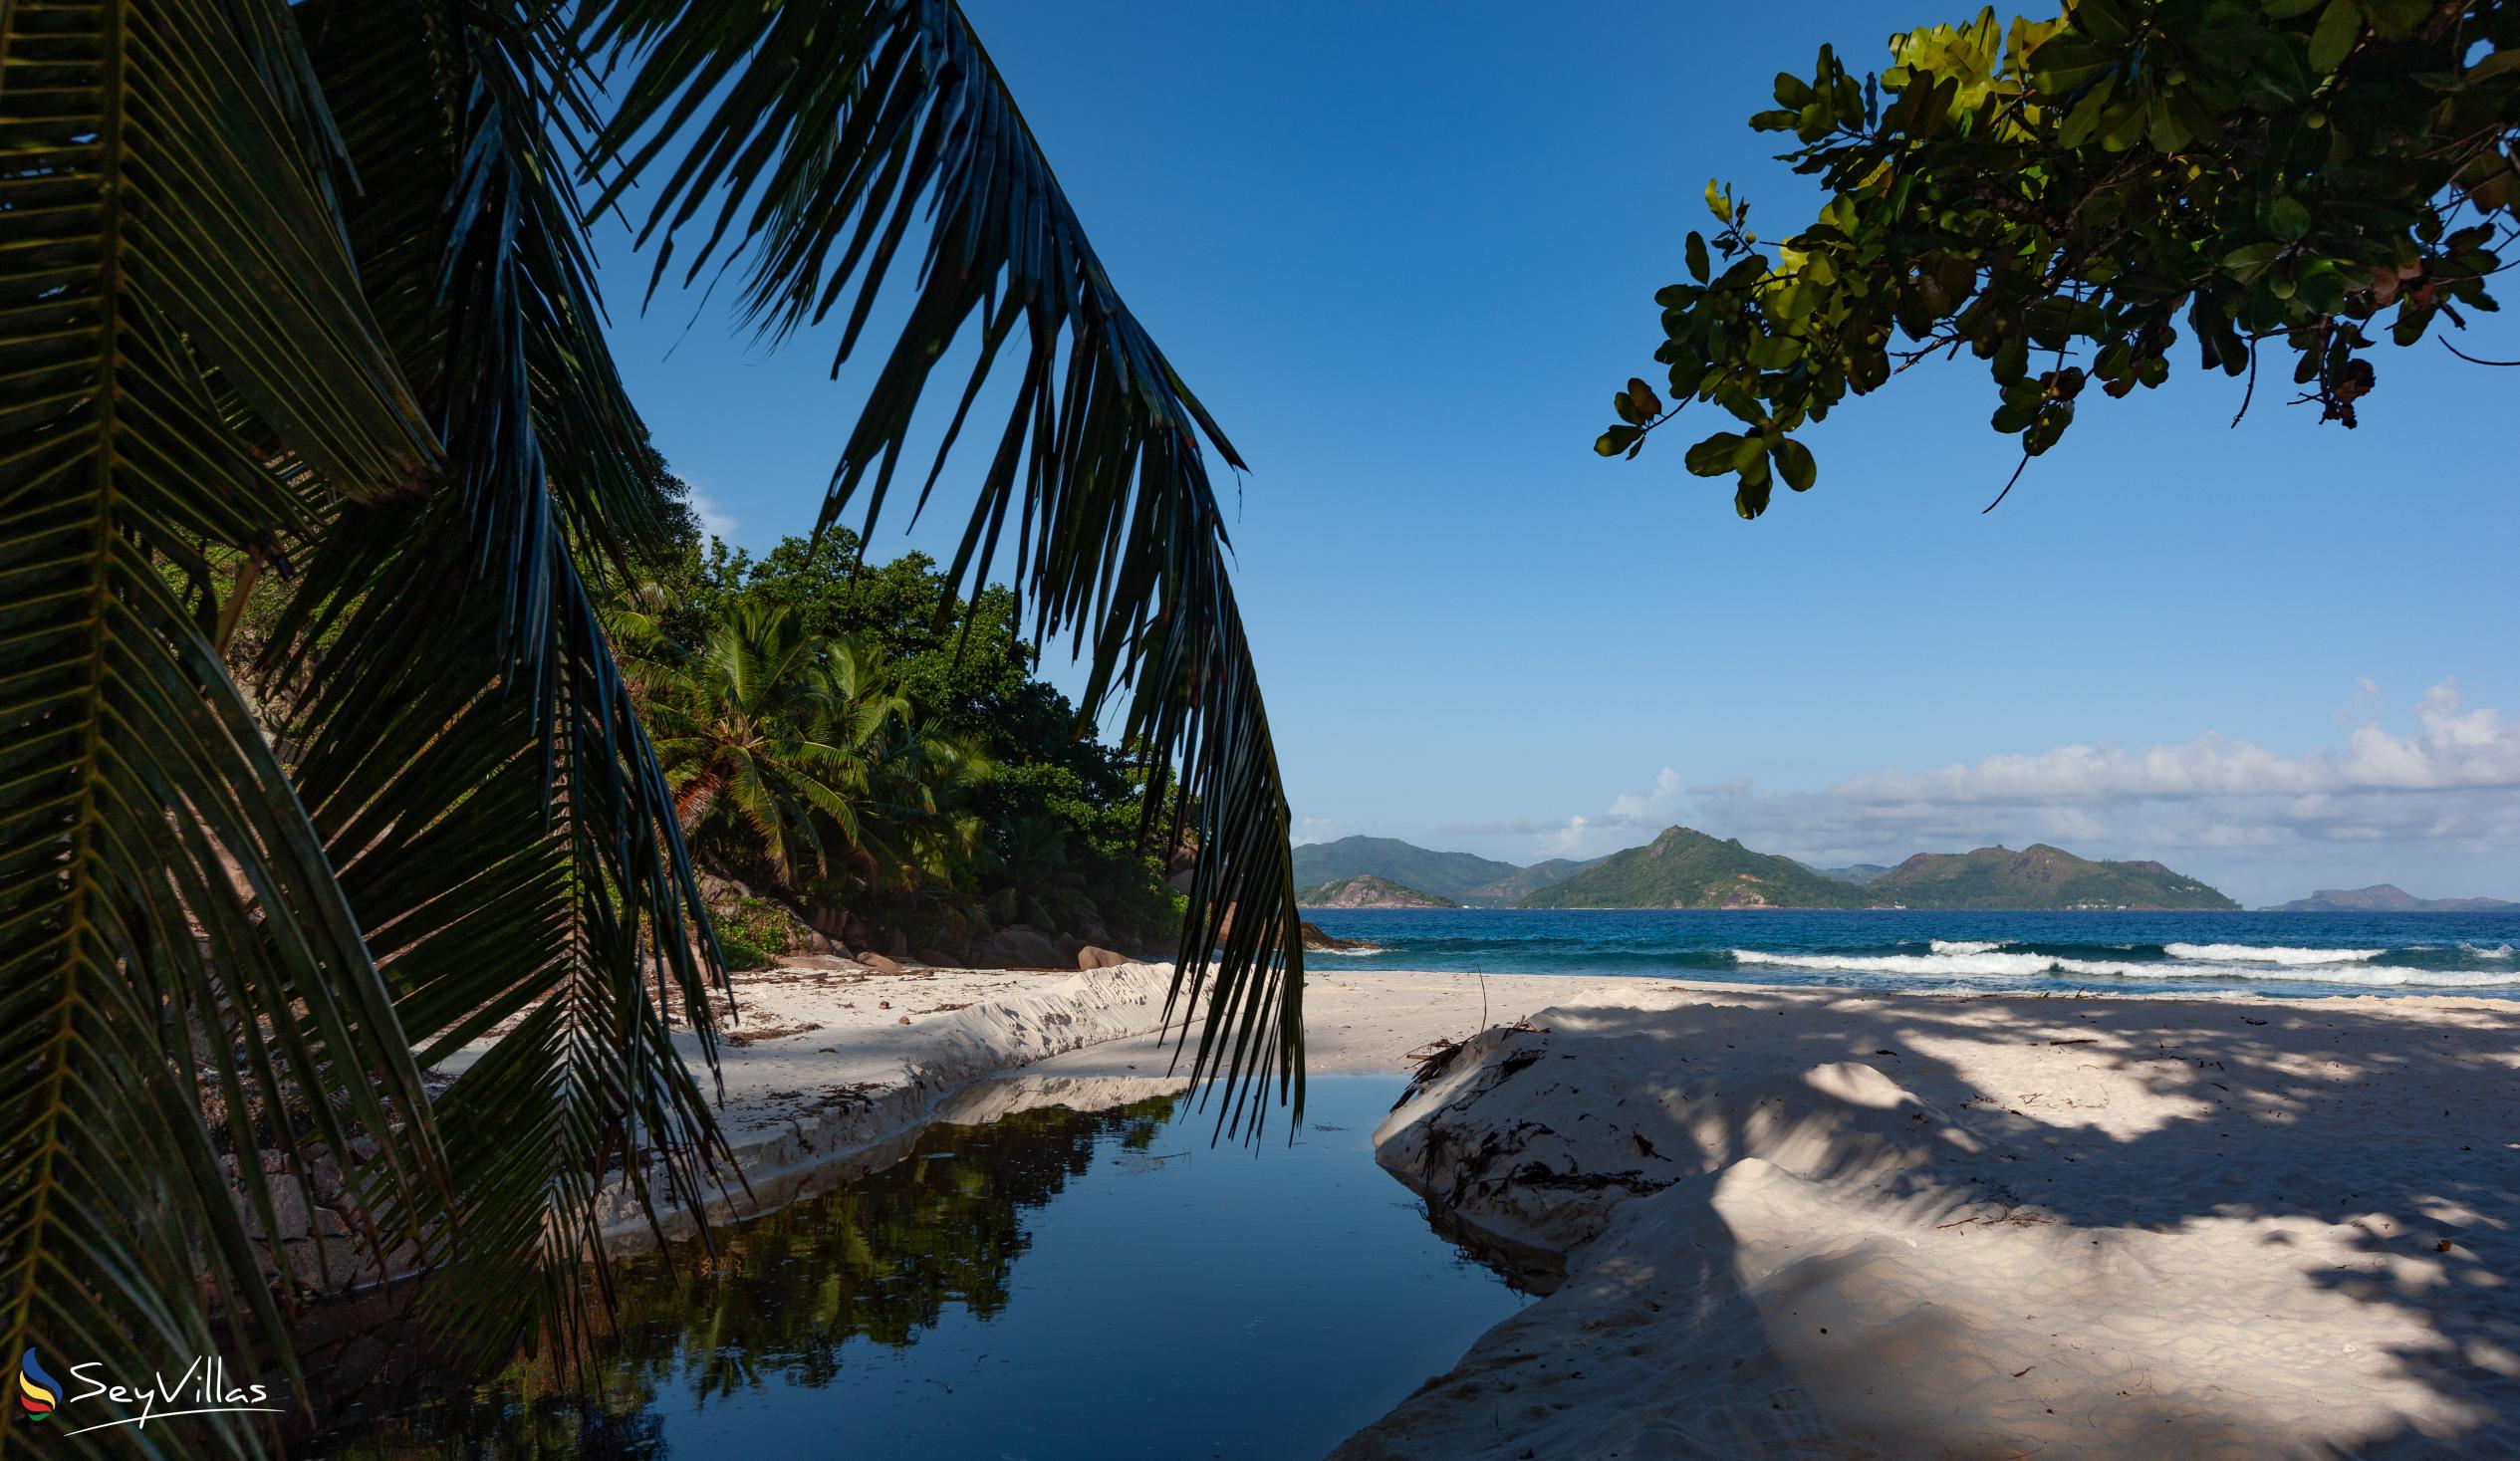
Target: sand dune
<point>1814,1224</point>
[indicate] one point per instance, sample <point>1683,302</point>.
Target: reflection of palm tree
<point>879,1260</point>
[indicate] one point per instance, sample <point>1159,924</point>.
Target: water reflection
<point>779,1300</point>
<point>1050,1283</point>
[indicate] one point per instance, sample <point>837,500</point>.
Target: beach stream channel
<point>1054,1282</point>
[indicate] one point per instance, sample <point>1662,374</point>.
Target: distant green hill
<point>1862,874</point>
<point>1445,874</point>
<point>2037,876</point>
<point>1368,891</point>
<point>1684,869</point>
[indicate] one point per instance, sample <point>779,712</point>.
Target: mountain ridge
<point>1683,867</point>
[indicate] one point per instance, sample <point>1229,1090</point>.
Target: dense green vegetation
<point>2037,876</point>
<point>2064,198</point>
<point>1367,892</point>
<point>918,783</point>
<point>1685,868</point>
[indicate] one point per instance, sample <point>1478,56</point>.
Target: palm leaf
<point>473,757</point>
<point>169,930</point>
<point>823,133</point>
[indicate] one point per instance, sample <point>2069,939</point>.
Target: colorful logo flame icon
<point>38,1392</point>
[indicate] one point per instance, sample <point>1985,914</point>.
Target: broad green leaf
<point>2066,62</point>
<point>2251,261</point>
<point>1794,463</point>
<point>1714,456</point>
<point>2340,26</point>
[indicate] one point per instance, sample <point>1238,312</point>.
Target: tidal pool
<point>1053,1286</point>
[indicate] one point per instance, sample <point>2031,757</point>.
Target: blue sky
<point>1406,252</point>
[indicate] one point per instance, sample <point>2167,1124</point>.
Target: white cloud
<point>716,520</point>
<point>2439,799</point>
<point>2448,750</point>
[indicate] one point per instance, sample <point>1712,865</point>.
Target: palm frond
<point>824,132</point>
<point>473,757</point>
<point>170,935</point>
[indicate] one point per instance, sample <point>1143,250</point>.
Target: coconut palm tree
<point>309,285</point>
<point>766,728</point>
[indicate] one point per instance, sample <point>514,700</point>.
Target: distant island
<point>1686,868</point>
<point>1464,877</point>
<point>2041,876</point>
<point>2384,897</point>
<point>1368,891</point>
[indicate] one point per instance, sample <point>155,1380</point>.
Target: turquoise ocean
<point>2101,952</point>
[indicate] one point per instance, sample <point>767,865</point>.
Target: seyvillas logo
<point>200,1388</point>
<point>37,1391</point>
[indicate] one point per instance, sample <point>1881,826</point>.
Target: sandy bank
<point>1816,1223</point>
<point>831,1072</point>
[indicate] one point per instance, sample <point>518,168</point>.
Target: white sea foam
<point>2276,954</point>
<point>2360,976</point>
<point>2498,951</point>
<point>1362,951</point>
<point>1989,964</point>
<point>1999,965</point>
<point>1966,946</point>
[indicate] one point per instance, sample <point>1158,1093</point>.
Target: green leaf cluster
<point>2068,199</point>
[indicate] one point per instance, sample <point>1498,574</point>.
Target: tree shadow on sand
<point>2116,1160</point>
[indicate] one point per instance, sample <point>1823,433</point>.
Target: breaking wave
<point>2251,954</point>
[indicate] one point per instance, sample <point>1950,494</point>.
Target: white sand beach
<point>1817,1223</point>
